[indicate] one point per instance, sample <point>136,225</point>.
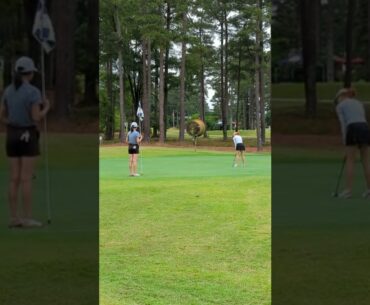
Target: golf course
<point>192,229</point>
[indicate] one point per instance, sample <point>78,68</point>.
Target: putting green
<point>320,243</point>
<point>191,230</point>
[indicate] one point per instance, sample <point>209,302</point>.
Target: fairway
<point>192,230</point>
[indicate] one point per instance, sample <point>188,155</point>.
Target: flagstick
<point>46,154</point>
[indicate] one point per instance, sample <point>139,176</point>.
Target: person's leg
<point>242,156</point>
<point>14,183</point>
<point>134,167</point>
<point>130,163</point>
<point>27,169</point>
<point>365,164</point>
<point>350,161</point>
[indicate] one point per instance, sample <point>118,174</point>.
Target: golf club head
<point>334,194</point>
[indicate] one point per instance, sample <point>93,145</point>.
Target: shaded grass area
<point>325,91</point>
<point>58,263</point>
<point>320,243</point>
<point>192,230</point>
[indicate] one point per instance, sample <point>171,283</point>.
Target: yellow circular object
<point>196,128</point>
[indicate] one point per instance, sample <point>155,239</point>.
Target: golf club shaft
<point>340,175</point>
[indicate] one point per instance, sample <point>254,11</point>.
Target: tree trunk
<point>309,23</point>
<point>161,97</point>
<point>368,40</point>
<point>92,54</point>
<point>330,42</point>
<point>147,108</point>
<point>165,107</point>
<point>261,74</point>
<point>109,124</point>
<point>258,103</point>
<point>351,6</point>
<point>182,81</point>
<point>223,104</point>
<point>122,133</point>
<point>252,112</point>
<point>65,57</point>
<point>145,100</point>
<point>238,87</point>
<point>246,112</point>
<point>226,92</point>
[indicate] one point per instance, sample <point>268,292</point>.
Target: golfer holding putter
<point>239,147</point>
<point>134,139</point>
<point>20,110</point>
<point>356,135</point>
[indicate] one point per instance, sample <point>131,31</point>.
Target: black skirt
<point>358,134</point>
<point>22,141</point>
<point>240,147</point>
<point>133,149</point>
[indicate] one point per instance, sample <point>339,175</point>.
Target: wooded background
<point>169,55</point>
<point>329,42</point>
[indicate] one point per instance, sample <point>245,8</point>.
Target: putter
<point>335,193</point>
<point>234,160</point>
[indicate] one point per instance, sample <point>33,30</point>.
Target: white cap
<point>24,65</point>
<point>341,92</point>
<point>134,124</point>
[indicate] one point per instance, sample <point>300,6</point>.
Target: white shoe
<point>15,223</point>
<point>366,194</point>
<point>31,223</point>
<point>136,175</point>
<point>345,194</point>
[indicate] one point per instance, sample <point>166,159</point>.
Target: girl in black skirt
<point>239,147</point>
<point>20,110</point>
<point>356,135</point>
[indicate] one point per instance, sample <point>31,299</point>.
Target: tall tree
<point>182,77</point>
<point>161,97</point>
<point>351,7</point>
<point>167,57</point>
<point>122,133</point>
<point>65,57</point>
<point>92,53</point>
<point>329,41</point>
<point>309,18</point>
<point>261,72</point>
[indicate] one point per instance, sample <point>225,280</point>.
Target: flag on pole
<point>42,28</point>
<point>140,112</point>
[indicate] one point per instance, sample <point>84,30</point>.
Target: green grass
<point>192,230</point>
<point>320,243</point>
<point>325,91</point>
<point>59,262</point>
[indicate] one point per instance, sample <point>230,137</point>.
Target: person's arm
<point>140,138</point>
<point>342,121</point>
<point>37,113</point>
<point>3,113</point>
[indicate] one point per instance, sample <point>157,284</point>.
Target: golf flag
<point>42,28</point>
<point>140,112</point>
